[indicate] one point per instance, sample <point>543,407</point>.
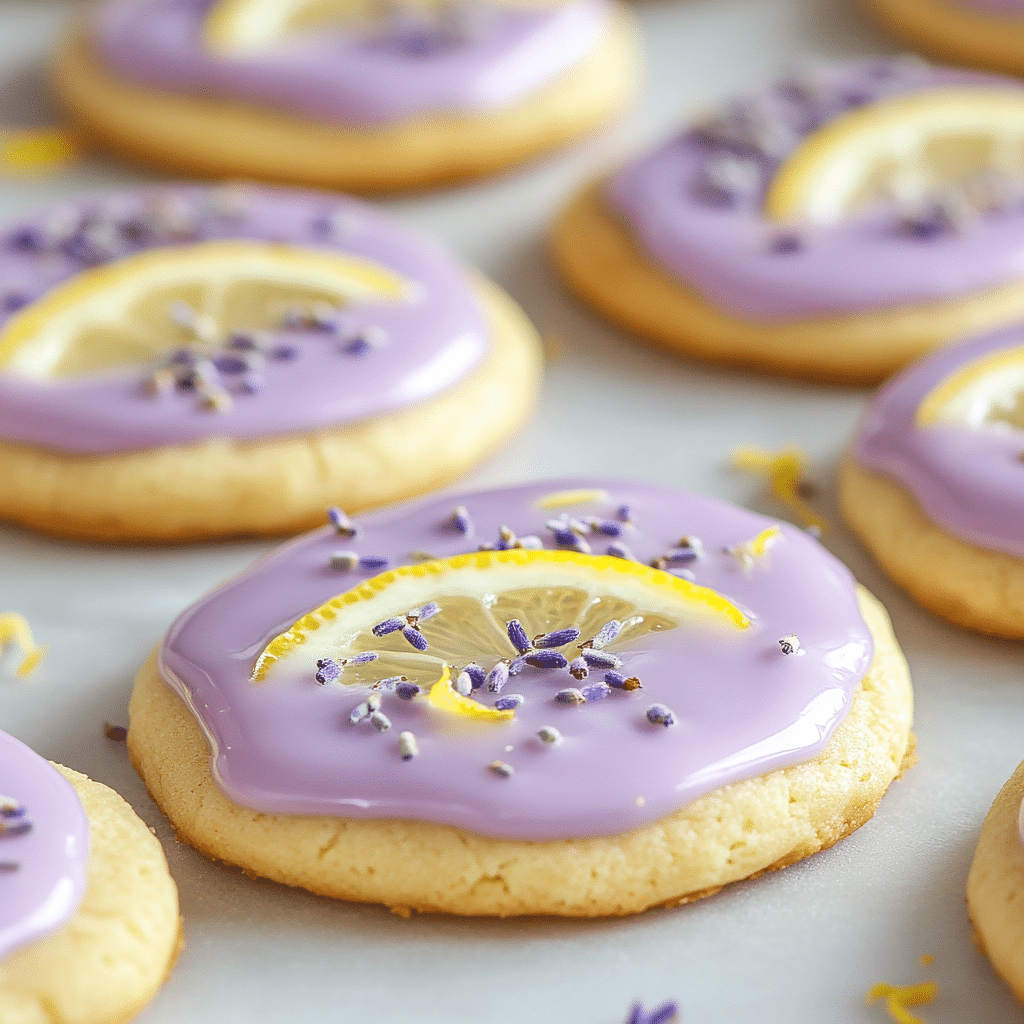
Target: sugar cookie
<point>931,484</point>
<point>981,33</point>
<point>996,884</point>
<point>89,923</point>
<point>400,99</point>
<point>187,362</point>
<point>537,726</point>
<point>789,231</point>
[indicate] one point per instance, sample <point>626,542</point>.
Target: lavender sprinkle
<point>516,665</point>
<point>328,670</point>
<point>386,684</point>
<point>570,695</point>
<point>415,638</point>
<point>546,659</point>
<point>16,828</point>
<point>517,635</point>
<point>556,638</point>
<point>388,626</point>
<point>578,668</point>
<point>476,674</point>
<point>461,520</point>
<point>363,658</point>
<point>408,748</point>
<point>428,611</point>
<point>618,550</point>
<point>550,735</point>
<point>359,712</point>
<point>596,691</point>
<point>407,690</point>
<point>506,771</point>
<point>624,513</point>
<point>8,865</point>
<point>790,644</point>
<point>373,701</point>
<point>606,634</point>
<point>380,721</point>
<point>600,659</point>
<point>463,685</point>
<point>373,562</point>
<point>343,561</point>
<point>509,702</point>
<point>343,526</point>
<point>497,677</point>
<point>658,714</point>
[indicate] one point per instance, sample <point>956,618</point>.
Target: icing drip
<point>315,370</point>
<point>44,847</point>
<point>695,203</point>
<point>711,707</point>
<point>380,77</point>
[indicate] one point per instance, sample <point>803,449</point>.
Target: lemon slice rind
<point>819,180</point>
<point>969,393</point>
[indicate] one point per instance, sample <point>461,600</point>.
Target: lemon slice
<point>909,144</point>
<point>442,696</point>
<point>478,594</point>
<point>987,391</point>
<point>120,314</point>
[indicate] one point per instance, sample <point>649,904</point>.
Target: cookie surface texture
<point>106,962</point>
<point>929,484</point>
<point>353,365</point>
<point>985,34</point>
<point>518,83</point>
<point>747,241</point>
<point>995,885</point>
<point>497,812</point>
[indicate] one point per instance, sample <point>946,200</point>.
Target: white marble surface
<point>800,947</point>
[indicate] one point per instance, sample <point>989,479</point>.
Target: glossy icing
<point>721,244</point>
<point>42,893</point>
<point>968,480</point>
<point>743,707</point>
<point>348,79</point>
<point>431,339</point>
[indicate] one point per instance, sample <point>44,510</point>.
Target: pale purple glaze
<point>346,79</point>
<point>43,892</point>
<point>727,249</point>
<point>744,708</point>
<point>969,481</point>
<point>433,338</point>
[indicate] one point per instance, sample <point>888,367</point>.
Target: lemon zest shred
<point>899,997</point>
<point>443,696</point>
<point>783,470</point>
<point>14,628</point>
<point>565,499</point>
<point>36,150</point>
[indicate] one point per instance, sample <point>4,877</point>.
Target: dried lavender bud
<point>600,659</point>
<point>506,771</point>
<point>606,634</point>
<point>407,690</point>
<point>679,556</point>
<point>380,721</point>
<point>497,677</point>
<point>578,668</point>
<point>461,520</point>
<point>658,714</point>
<point>790,644</point>
<point>507,534</point>
<point>343,526</point>
<point>619,550</point>
<point>530,543</point>
<point>509,702</point>
<point>516,665</point>
<point>386,684</point>
<point>625,513</point>
<point>373,562</point>
<point>359,712</point>
<point>327,670</point>
<point>570,695</point>
<point>596,691</point>
<point>476,674</point>
<point>408,748</point>
<point>549,734</point>
<point>609,527</point>
<point>556,638</point>
<point>428,611</point>
<point>373,701</point>
<point>546,659</point>
<point>415,637</point>
<point>363,658</point>
<point>388,626</point>
<point>342,561</point>
<point>517,635</point>
<point>463,685</point>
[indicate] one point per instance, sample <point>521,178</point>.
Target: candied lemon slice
<point>476,596</point>
<point>987,391</point>
<point>120,314</point>
<point>909,144</point>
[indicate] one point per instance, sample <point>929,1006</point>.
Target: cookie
<point>995,885</point>
<point>788,231</point>
<point>519,716</point>
<point>930,483</point>
<point>190,362</point>
<point>397,100</point>
<point>985,34</point>
<point>89,925</point>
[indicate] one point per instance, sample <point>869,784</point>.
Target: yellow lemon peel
<point>566,499</point>
<point>443,696</point>
<point>36,150</point>
<point>784,472</point>
<point>899,997</point>
<point>14,628</point>
<point>975,385</point>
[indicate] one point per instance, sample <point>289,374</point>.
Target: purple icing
<point>699,215</point>
<point>42,892</point>
<point>969,481</point>
<point>742,708</point>
<point>433,337</point>
<point>348,79</point>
